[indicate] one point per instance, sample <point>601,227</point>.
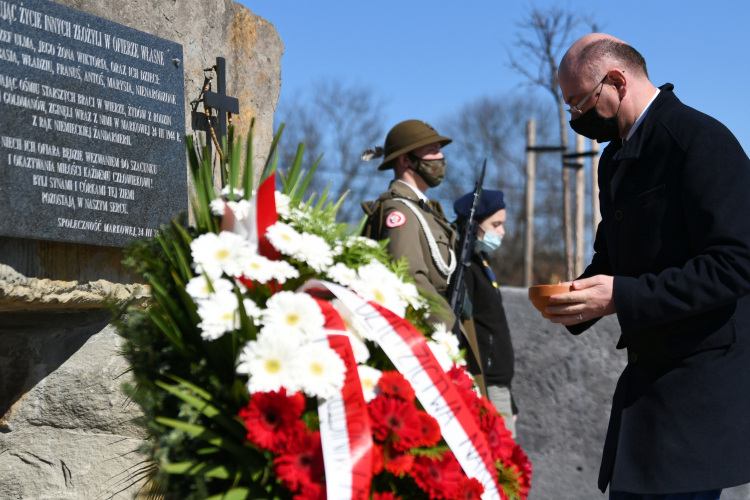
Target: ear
<point>620,80</point>
<point>403,161</point>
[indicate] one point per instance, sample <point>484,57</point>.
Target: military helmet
<point>408,136</point>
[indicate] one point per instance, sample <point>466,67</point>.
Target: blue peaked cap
<point>492,201</point>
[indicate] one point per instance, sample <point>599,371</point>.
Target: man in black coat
<point>672,260</point>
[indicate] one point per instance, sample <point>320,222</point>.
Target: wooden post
<point>567,223</point>
<point>596,215</point>
<point>528,247</point>
<point>580,201</point>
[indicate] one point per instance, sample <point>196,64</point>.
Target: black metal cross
<point>220,101</point>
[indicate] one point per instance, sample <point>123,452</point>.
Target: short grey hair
<point>594,54</point>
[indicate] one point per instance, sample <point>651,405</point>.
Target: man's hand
<point>591,298</point>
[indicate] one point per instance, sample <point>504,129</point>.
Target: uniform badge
<point>395,219</point>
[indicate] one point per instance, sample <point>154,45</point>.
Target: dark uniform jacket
<point>675,234</point>
<point>490,324</point>
<point>408,239</point>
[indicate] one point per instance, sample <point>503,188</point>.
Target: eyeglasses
<point>576,110</point>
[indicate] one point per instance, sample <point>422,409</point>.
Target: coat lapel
<point>627,156</point>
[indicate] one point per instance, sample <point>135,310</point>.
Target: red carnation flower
<point>430,430</point>
<point>498,437</point>
<point>392,383</point>
<point>470,489</point>
<point>272,419</point>
<point>387,495</point>
<point>520,459</point>
<point>395,419</point>
<point>397,463</point>
<point>438,478</point>
<point>377,459</point>
<point>313,491</point>
<point>302,464</point>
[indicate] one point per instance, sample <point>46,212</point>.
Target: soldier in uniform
<point>415,226</point>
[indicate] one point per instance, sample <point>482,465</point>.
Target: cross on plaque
<point>220,101</point>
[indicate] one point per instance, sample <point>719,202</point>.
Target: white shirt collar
<point>419,193</point>
<point>641,117</point>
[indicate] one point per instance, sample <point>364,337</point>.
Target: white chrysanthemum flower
<point>218,315</point>
<point>238,193</point>
<point>252,310</point>
<point>214,253</point>
<point>441,355</point>
<point>269,361</point>
<point>284,238</point>
<point>381,286</point>
<point>282,205</point>
<point>318,370</point>
<point>242,209</point>
<point>315,252</point>
<point>197,287</point>
<point>342,274</point>
<point>282,270</point>
<point>449,342</point>
<point>369,378</point>
<point>361,240</point>
<point>296,315</point>
<point>217,206</point>
<point>410,294</point>
<point>338,248</point>
<point>257,268</point>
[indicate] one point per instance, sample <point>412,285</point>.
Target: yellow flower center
<point>272,366</point>
<point>255,265</point>
<point>292,319</point>
<point>379,297</point>
<point>222,254</point>
<point>228,316</point>
<point>317,369</point>
<point>367,384</point>
<point>286,237</point>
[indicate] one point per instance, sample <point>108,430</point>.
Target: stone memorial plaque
<point>91,133</point>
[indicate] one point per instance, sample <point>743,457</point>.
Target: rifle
<point>467,233</point>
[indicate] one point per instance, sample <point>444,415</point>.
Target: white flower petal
<point>269,361</point>
<point>319,371</point>
<point>197,287</point>
<point>342,274</point>
<point>284,238</point>
<point>218,315</point>
<point>296,315</point>
<point>369,378</point>
<point>315,252</point>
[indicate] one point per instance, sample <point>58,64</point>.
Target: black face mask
<point>594,126</point>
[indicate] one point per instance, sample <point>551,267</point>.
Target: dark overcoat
<point>675,234</point>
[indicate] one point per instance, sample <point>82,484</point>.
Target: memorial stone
<point>91,150</point>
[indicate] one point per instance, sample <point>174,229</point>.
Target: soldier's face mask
<point>432,171</point>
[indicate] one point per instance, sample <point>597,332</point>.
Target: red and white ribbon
<point>411,355</point>
<point>261,216</point>
<point>345,431</point>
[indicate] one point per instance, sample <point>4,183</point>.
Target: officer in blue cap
<point>490,323</point>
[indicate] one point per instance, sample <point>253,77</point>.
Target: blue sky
<point>427,58</point>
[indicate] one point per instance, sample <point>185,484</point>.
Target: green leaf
<point>298,196</point>
<point>275,143</point>
<point>198,469</point>
<point>167,329</point>
<point>201,392</point>
<point>207,409</point>
<point>233,494</point>
<point>210,437</point>
<point>247,179</point>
